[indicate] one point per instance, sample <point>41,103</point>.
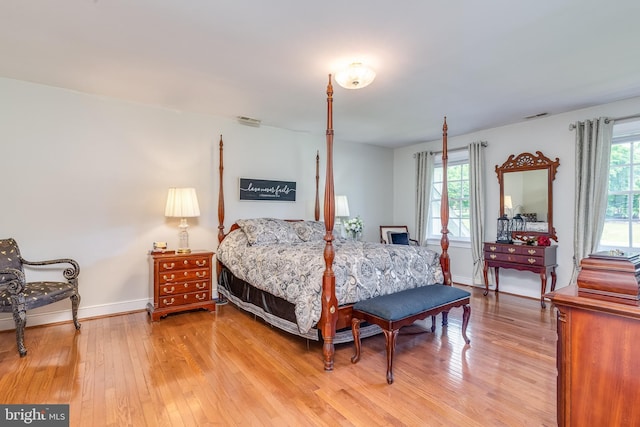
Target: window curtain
<point>476,213</point>
<point>593,150</point>
<point>424,174</point>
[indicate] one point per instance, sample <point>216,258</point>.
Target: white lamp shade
<point>182,203</point>
<point>355,76</point>
<point>342,206</point>
<point>508,204</point>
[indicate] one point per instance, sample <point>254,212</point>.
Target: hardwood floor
<point>225,368</point>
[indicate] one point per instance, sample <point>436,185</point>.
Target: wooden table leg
<point>543,284</point>
<point>486,278</point>
<point>553,279</point>
<point>497,272</point>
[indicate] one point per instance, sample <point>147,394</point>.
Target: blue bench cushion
<point>410,301</point>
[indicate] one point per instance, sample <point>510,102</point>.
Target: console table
<point>537,259</point>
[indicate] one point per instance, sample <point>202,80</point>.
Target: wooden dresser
<point>598,368</point>
<point>180,282</point>
<point>537,259</point>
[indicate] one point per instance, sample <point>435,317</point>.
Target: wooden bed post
<point>329,315</point>
<point>220,199</point>
<point>316,213</point>
<point>444,210</point>
<point>221,298</point>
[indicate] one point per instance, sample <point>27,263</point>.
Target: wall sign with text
<point>264,189</point>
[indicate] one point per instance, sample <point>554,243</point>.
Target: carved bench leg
<point>390,338</point>
<point>466,315</point>
<point>355,330</point>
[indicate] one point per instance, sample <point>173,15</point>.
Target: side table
<point>180,282</point>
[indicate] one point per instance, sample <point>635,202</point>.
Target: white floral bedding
<point>286,259</point>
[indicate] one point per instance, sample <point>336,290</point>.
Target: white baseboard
<point>35,318</point>
<point>462,280</point>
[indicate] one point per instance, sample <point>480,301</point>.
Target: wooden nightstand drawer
<point>191,298</point>
<point>173,264</point>
<point>186,287</point>
<point>180,282</point>
<point>181,276</point>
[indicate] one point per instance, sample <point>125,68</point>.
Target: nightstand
<point>180,282</point>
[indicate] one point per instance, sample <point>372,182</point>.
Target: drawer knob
<point>169,290</point>
<point>201,274</point>
<point>168,302</point>
<point>169,278</point>
<point>201,297</point>
<point>493,256</point>
<point>201,285</point>
<point>185,262</point>
<point>532,251</point>
<point>201,263</point>
<point>532,260</point>
<point>168,266</point>
<point>511,250</point>
<point>493,248</point>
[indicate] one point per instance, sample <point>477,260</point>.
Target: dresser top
<point>177,255</point>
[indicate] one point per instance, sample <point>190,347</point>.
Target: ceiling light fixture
<point>356,76</point>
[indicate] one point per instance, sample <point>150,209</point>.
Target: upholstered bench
<point>393,311</point>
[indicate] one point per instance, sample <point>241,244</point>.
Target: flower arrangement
<point>544,241</point>
<point>353,226</point>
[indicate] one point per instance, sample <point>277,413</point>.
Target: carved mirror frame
<point>530,162</point>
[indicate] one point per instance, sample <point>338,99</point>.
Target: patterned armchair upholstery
<point>17,295</point>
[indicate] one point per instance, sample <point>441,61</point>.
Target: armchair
<point>396,234</point>
<point>17,295</point>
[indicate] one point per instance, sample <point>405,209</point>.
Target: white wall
<point>86,177</point>
<point>552,136</point>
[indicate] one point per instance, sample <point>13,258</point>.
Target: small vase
<point>354,236</point>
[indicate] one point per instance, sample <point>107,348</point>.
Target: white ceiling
<point>480,63</point>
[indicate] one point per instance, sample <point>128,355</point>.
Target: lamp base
<point>183,251</point>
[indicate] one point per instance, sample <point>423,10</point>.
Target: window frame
<point>456,158</point>
<point>632,138</point>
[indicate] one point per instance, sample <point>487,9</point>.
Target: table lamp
<point>182,203</point>
<point>342,212</point>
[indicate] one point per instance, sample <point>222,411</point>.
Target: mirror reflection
<point>526,193</point>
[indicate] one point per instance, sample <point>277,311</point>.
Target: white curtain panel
<point>476,188</point>
<point>593,150</point>
<point>424,176</point>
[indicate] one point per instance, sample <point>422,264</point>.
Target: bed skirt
<point>275,310</point>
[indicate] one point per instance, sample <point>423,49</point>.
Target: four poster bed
<point>273,268</point>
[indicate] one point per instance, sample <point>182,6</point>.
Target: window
<point>459,197</point>
<point>622,218</point>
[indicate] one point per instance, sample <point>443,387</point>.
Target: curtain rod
<point>482,143</point>
<point>572,126</point>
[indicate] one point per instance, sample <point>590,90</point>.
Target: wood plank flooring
<point>226,368</point>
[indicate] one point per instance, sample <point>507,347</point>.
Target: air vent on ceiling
<point>248,121</point>
<point>535,116</point>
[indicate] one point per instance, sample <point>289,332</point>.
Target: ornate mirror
<point>526,193</point>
